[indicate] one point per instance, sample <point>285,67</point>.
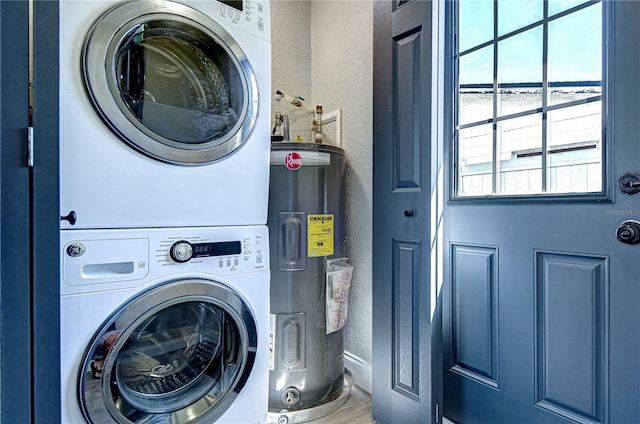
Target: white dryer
<point>165,325</point>
<point>164,113</point>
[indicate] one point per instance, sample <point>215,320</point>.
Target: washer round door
<point>178,353</point>
<point>170,81</point>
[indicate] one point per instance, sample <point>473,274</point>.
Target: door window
<point>178,83</point>
<point>173,358</point>
<point>163,357</point>
<point>529,98</point>
<point>171,82</point>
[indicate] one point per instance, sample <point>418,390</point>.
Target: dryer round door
<point>170,81</point>
<point>178,353</point>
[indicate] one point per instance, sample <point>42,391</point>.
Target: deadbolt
<point>629,183</point>
<point>629,232</point>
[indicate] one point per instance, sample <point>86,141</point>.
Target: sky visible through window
<point>572,36</point>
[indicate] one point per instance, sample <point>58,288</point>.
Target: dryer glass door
<point>178,354</point>
<point>170,81</point>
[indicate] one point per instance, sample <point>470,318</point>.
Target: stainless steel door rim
<point>182,352</point>
<point>210,93</point>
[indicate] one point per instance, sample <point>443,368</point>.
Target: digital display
<point>216,249</point>
<point>236,4</point>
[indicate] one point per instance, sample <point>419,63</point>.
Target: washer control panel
<point>123,258</point>
<point>250,15</point>
<point>240,255</point>
<point>183,250</point>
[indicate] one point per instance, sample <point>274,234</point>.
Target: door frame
<point>45,244</point>
<point>15,256</point>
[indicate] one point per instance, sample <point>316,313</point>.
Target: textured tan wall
<point>291,59</point>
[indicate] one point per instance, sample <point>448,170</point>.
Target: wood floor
<point>357,410</point>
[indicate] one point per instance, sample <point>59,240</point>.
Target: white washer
<point>177,320</point>
<point>164,113</point>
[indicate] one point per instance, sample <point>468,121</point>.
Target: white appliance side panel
<point>84,314</point>
<point>110,185</point>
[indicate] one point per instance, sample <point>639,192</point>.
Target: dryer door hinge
<point>30,147</point>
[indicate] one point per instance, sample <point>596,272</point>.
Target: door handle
<point>629,232</point>
<point>629,183</point>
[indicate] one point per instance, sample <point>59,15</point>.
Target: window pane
<point>557,6</point>
<point>529,103</point>
<point>520,155</point>
<point>516,14</point>
<point>575,55</point>
<point>520,68</point>
<point>476,23</point>
<point>476,86</point>
<point>574,149</point>
<point>475,157</point>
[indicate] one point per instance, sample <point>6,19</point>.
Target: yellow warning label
<point>319,235</point>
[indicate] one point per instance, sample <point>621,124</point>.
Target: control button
<point>260,7</point>
<point>231,13</point>
<point>76,249</point>
<point>222,11</point>
<point>235,262</point>
<point>258,259</point>
<point>260,26</point>
<point>221,263</point>
<point>181,251</point>
<point>237,17</point>
<point>258,240</point>
<point>228,262</point>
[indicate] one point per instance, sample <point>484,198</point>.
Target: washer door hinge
<point>30,147</point>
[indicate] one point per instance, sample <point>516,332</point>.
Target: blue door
<point>542,266</point>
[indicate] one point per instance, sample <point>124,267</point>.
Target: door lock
<point>629,183</point>
<point>629,232</point>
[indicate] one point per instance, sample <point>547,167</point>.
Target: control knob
<point>181,251</point>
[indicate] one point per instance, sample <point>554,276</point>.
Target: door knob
<point>71,217</point>
<point>629,232</point>
<point>408,214</point>
<point>629,183</point>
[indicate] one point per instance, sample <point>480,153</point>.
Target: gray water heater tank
<point>306,225</point>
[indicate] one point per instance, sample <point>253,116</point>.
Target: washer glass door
<point>179,353</point>
<point>170,81</point>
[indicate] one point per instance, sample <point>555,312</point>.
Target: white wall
<point>323,51</point>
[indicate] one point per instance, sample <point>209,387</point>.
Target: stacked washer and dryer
<point>164,158</point>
